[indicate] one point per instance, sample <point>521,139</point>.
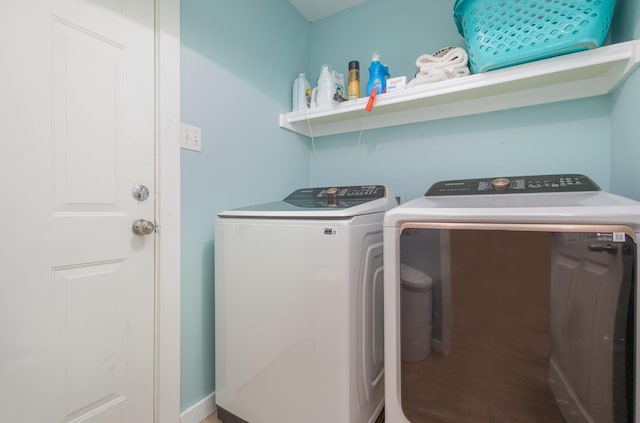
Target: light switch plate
<point>190,137</point>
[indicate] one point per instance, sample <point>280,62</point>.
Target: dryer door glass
<point>501,325</point>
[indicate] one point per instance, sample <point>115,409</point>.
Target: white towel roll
<point>446,63</point>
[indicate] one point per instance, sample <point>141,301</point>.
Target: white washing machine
<point>298,296</point>
<point>556,343</point>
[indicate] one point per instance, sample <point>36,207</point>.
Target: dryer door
<point>592,330</point>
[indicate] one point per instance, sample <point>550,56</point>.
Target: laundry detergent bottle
<point>322,94</point>
<point>330,89</point>
<point>378,74</point>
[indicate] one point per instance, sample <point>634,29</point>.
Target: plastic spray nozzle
<point>372,97</point>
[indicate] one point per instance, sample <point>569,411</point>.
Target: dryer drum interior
<point>526,323</point>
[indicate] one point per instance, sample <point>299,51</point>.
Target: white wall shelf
<point>578,75</point>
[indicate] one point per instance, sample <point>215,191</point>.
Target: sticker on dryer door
<point>329,231</point>
<point>618,237</point>
<point>610,237</point>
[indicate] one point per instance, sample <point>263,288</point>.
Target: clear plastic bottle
<point>301,93</point>
<point>340,87</point>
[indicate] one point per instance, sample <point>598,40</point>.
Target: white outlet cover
<point>190,137</point>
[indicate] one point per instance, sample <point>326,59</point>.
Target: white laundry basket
<point>415,314</point>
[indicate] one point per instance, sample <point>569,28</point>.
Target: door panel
<point>90,310</point>
<point>87,70</point>
<point>77,286</point>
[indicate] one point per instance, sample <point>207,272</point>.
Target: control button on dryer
<point>500,183</point>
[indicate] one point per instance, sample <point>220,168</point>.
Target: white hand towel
<point>449,57</point>
<point>447,63</point>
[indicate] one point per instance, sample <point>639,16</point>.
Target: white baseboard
<point>200,410</point>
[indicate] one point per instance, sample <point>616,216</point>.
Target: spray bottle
<point>354,80</point>
<point>378,74</point>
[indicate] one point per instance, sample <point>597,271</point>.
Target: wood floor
<point>498,366</point>
<point>212,419</point>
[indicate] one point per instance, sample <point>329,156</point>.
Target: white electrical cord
<point>343,163</point>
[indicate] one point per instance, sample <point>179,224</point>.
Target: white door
<point>76,284</point>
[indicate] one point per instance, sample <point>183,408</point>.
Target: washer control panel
<point>336,197</point>
<point>514,185</point>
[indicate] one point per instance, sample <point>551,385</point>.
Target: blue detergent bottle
<point>378,74</point>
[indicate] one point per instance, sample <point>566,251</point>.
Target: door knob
<point>143,227</point>
<point>140,192</point>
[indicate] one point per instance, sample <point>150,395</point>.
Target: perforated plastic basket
<point>501,33</point>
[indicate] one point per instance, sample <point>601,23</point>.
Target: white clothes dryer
<point>298,318</point>
<point>552,343</point>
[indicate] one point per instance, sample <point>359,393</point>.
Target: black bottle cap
<point>354,64</point>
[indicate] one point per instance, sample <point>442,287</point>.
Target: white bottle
<point>323,93</point>
<point>301,93</point>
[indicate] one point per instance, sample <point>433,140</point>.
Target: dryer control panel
<point>336,197</point>
<point>514,185</point>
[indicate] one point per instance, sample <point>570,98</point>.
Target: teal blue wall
<point>239,59</point>
<point>625,125</point>
<point>565,137</point>
<point>626,21</point>
<point>557,138</point>
<point>625,133</point>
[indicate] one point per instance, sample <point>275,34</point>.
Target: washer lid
<point>325,202</point>
<point>539,204</point>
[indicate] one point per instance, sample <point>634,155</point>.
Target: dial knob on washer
<point>500,183</point>
<point>332,201</point>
